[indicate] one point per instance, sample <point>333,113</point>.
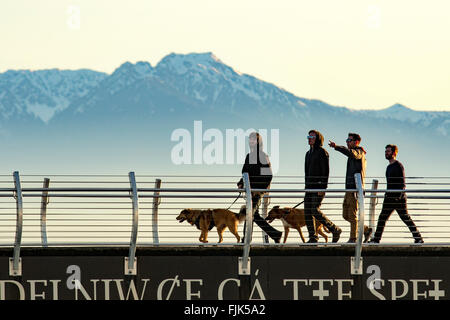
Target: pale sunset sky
<point>362,54</point>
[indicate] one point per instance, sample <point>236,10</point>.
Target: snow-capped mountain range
<point>43,93</point>
<point>200,79</point>
<point>87,119</point>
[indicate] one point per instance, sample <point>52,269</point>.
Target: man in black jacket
<point>317,170</point>
<point>395,178</point>
<point>259,170</point>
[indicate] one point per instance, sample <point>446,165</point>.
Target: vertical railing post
<point>44,202</point>
<point>357,263</point>
<point>373,203</point>
<point>130,262</point>
<point>15,264</point>
<point>244,265</point>
<point>244,261</point>
<point>265,208</point>
<point>156,202</point>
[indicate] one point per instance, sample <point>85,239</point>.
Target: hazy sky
<point>355,53</point>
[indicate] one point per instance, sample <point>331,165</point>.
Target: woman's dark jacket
<point>259,170</point>
<point>317,165</point>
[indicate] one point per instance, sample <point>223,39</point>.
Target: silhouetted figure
<point>395,178</point>
<point>317,170</point>
<point>356,163</point>
<point>258,167</point>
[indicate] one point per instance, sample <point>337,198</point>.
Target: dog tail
<point>242,213</point>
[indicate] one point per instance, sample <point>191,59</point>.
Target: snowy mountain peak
<point>403,113</point>
<point>196,62</point>
<point>398,107</point>
<point>202,57</point>
<point>127,74</point>
<point>207,79</point>
<point>140,69</point>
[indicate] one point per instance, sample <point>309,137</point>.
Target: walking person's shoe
<point>374,241</point>
<point>336,234</point>
<point>418,240</point>
<point>312,240</point>
<point>277,237</point>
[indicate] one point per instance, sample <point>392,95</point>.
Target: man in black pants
<point>257,165</point>
<point>395,178</point>
<point>317,170</point>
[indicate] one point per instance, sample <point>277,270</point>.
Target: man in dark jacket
<point>356,163</point>
<point>395,179</point>
<point>259,170</point>
<point>317,170</point>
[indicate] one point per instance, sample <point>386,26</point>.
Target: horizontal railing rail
<point>98,209</point>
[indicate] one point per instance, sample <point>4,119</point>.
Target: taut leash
<point>234,201</point>
<point>299,204</point>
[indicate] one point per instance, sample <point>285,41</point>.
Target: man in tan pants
<point>356,163</point>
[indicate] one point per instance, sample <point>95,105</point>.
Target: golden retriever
<point>207,219</point>
<point>294,218</point>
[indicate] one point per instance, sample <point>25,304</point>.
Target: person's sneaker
<point>277,238</point>
<point>367,233</point>
<point>374,241</point>
<point>351,241</point>
<point>312,240</point>
<point>418,240</point>
<point>336,234</point>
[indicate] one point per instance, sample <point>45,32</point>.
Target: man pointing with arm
<point>356,163</point>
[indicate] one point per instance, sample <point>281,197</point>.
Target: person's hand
<point>331,144</point>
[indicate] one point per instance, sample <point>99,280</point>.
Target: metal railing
<point>140,210</point>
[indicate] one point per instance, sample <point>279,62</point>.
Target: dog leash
<point>299,204</point>
<point>234,201</point>
<point>241,193</point>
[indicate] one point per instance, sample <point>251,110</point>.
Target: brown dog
<point>205,220</point>
<point>294,218</point>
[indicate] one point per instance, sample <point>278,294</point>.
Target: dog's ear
<point>276,207</point>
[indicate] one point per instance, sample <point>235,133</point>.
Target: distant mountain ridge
<point>199,79</point>
<point>78,119</point>
<point>43,93</point>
